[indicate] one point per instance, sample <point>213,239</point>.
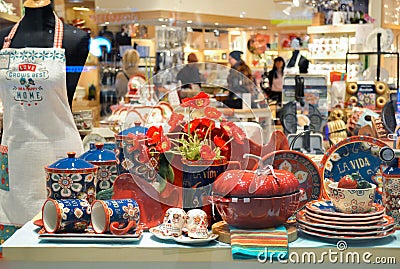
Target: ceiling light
<point>264,27</point>
<point>81,8</point>
<point>189,21</point>
<point>216,24</point>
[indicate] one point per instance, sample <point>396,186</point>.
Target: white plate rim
<point>343,223</point>
<point>348,233</point>
<point>344,219</point>
<point>347,237</point>
<point>192,241</point>
<point>301,218</point>
<point>87,140</point>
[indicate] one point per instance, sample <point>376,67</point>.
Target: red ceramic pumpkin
<point>245,183</point>
<point>256,199</point>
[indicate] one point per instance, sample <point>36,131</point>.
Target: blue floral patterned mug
<point>68,215</point>
<point>115,216</point>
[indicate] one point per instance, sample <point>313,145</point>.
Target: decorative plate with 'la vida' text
<point>357,154</point>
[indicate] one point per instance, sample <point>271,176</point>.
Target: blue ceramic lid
<point>134,130</point>
<point>71,163</point>
<point>98,154</point>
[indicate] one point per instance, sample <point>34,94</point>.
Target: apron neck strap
<point>58,34</point>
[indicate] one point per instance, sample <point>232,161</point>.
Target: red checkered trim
<point>58,34</point>
<point>7,39</point>
<point>3,149</point>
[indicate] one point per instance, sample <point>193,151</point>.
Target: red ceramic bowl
<point>257,213</point>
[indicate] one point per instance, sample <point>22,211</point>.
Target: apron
<point>38,126</point>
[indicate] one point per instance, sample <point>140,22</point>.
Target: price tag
<point>4,60</point>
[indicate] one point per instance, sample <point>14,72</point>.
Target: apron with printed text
<point>38,126</point>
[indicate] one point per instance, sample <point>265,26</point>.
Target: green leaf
<point>170,174</point>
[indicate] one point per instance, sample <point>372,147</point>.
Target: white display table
<point>25,250</point>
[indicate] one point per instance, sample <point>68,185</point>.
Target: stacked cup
<point>105,216</point>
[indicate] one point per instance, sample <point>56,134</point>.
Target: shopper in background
<point>130,67</point>
<point>298,64</point>
<point>190,73</point>
<point>275,78</point>
<point>240,80</point>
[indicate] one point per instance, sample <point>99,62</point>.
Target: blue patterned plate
<point>327,208</point>
<point>305,170</point>
<point>357,154</point>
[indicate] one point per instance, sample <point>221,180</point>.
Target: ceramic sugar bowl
<point>71,178</point>
<point>106,162</point>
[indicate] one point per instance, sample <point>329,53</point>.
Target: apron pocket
<point>4,182</point>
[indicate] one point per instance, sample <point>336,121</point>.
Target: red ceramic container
<point>256,199</point>
<point>257,213</point>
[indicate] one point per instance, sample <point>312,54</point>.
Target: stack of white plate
<point>319,218</point>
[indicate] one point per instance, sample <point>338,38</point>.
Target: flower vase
<point>197,180</point>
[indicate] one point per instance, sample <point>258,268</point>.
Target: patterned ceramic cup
<point>115,216</point>
<point>352,200</point>
<point>67,216</point>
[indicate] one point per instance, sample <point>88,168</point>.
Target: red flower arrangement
<point>199,133</point>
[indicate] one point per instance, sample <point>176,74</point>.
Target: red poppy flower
<point>154,134</point>
<point>201,134</point>
<point>207,123</point>
<point>221,143</point>
<point>175,119</point>
<point>206,153</point>
<point>199,101</point>
<point>239,135</point>
<point>164,145</point>
<point>212,112</point>
<point>229,127</point>
<point>193,125</point>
